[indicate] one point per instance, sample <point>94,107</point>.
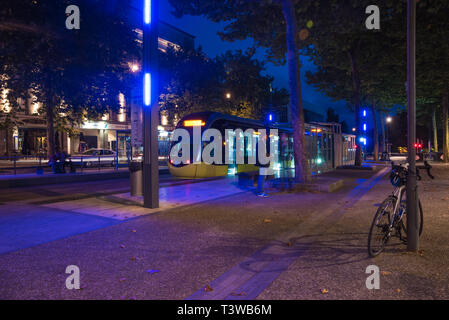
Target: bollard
<point>136,179</point>
<point>39,169</point>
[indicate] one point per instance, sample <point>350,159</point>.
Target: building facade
<point>27,136</point>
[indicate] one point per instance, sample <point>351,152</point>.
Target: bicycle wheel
<point>420,220</point>
<point>380,232</point>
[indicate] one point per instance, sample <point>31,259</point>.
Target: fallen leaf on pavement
<point>289,244</point>
<point>324,291</point>
<point>122,279</point>
<point>267,220</point>
<point>385,273</point>
<point>134,231</point>
<point>238,294</point>
<point>133,258</point>
<point>398,290</point>
<point>208,288</point>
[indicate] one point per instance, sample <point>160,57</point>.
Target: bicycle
<point>391,216</point>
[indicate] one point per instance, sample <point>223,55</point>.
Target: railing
<point>39,164</point>
<point>19,164</point>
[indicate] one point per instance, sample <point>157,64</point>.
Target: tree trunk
<point>435,129</point>
<point>445,106</point>
<point>382,125</point>
<point>353,54</point>
<point>50,129</point>
<point>375,134</point>
<point>301,166</point>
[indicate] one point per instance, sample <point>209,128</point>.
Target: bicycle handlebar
<point>426,166</point>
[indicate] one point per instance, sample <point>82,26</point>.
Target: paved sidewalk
<point>24,225</point>
<point>306,245</point>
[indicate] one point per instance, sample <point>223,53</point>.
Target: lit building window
<point>164,118</point>
<point>122,113</point>
<point>162,43</point>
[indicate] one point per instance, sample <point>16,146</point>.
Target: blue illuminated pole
<point>150,105</point>
<point>364,130</point>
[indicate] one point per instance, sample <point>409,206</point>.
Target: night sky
<point>205,32</point>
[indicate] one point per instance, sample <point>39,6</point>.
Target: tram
<point>327,147</point>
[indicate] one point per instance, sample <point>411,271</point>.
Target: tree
<point>75,74</point>
<point>189,82</point>
<point>231,83</point>
<point>251,93</point>
<point>272,24</point>
<point>432,61</point>
<point>349,56</point>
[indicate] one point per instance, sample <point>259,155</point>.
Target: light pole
<point>412,199</point>
<point>150,105</point>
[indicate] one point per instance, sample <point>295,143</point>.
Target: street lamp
<point>228,95</point>
<point>134,67</point>
<point>150,105</point>
<point>389,119</point>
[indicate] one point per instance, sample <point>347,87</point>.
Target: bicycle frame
<point>398,193</point>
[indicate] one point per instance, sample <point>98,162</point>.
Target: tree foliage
<point>74,73</point>
<point>231,83</point>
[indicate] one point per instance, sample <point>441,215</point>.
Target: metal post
<point>116,150</point>
<point>150,105</point>
<point>412,201</point>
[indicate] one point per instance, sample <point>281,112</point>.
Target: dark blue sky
<point>205,32</point>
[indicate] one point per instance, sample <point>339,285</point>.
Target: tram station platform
<point>32,179</point>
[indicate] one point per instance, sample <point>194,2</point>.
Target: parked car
<point>95,157</point>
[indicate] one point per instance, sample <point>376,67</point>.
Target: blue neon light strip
<point>147,12</point>
<point>364,113</point>
<point>364,127</point>
<point>147,89</point>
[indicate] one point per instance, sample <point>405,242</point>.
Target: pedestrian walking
<point>264,169</point>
